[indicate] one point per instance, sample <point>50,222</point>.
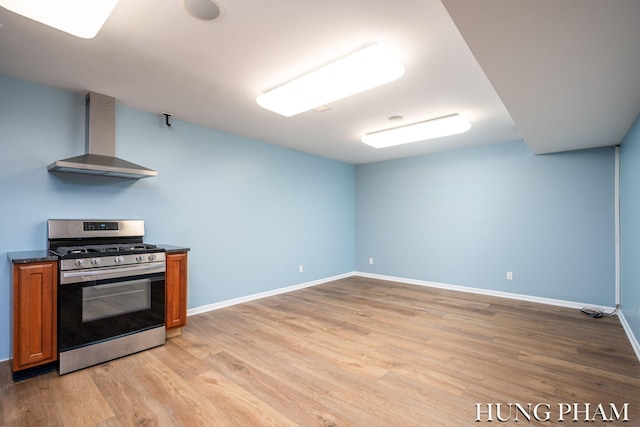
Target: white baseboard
<point>480,291</point>
<point>522,297</point>
<point>240,300</point>
<point>632,338</point>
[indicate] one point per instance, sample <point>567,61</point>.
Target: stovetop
<point>104,249</point>
<point>77,238</point>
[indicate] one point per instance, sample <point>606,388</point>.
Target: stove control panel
<point>100,225</point>
<point>111,261</point>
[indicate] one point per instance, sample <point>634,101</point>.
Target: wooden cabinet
<point>176,290</point>
<point>35,321</point>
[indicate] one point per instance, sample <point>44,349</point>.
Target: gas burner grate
<point>89,249</point>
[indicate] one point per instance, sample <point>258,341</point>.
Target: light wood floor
<point>354,352</point>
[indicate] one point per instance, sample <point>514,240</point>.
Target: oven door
<point>99,309</point>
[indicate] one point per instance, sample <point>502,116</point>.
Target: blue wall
<point>467,217</point>
<point>249,211</point>
<point>630,228</point>
<point>252,212</point>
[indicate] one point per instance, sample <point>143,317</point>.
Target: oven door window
<point>114,299</point>
<point>94,311</point>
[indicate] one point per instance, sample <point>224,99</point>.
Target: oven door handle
<point>110,273</point>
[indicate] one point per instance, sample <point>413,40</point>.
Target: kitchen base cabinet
<point>176,293</point>
<point>34,316</point>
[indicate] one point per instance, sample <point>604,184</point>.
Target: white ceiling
<point>562,75</point>
<point>568,71</point>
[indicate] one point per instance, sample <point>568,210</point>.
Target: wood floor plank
<point>131,402</point>
<point>78,401</point>
<point>295,404</point>
<point>29,401</point>
<point>353,352</point>
<point>237,405</point>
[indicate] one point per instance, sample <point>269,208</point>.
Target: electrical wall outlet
<point>509,275</point>
<point>300,268</point>
<point>370,261</point>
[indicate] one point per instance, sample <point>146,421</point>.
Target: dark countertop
<point>24,257</point>
<point>171,248</point>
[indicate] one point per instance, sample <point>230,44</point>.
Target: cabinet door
<point>176,285</point>
<point>34,314</point>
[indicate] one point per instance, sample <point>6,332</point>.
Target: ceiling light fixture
<point>365,69</point>
<point>428,129</point>
<point>81,18</point>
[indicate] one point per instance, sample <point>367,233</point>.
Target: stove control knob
<point>79,262</point>
<point>119,259</point>
<point>96,261</point>
<point>140,258</point>
<point>153,257</point>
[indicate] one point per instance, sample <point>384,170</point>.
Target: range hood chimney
<point>100,148</point>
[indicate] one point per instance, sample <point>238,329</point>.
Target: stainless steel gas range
<point>111,290</point>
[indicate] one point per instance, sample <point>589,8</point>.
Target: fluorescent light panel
<point>428,129</point>
<point>365,69</point>
<point>81,18</point>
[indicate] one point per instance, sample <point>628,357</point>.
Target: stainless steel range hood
<point>100,157</point>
